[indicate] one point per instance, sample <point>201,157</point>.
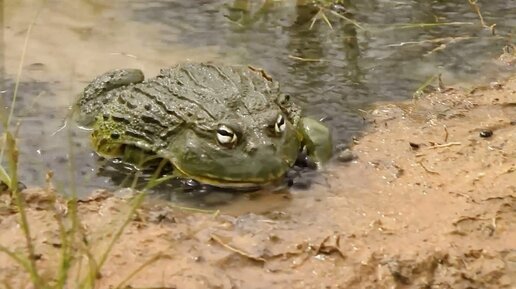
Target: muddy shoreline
<point>429,202</point>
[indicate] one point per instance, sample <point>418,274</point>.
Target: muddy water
<point>334,71</point>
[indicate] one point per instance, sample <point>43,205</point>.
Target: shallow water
<point>333,71</point>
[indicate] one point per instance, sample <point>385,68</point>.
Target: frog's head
<point>238,152</point>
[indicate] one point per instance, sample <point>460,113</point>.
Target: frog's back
<point>208,92</point>
<point>198,95</point>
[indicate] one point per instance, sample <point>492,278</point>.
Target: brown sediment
<point>428,203</point>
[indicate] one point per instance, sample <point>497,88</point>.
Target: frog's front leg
<point>316,137</point>
<point>96,94</point>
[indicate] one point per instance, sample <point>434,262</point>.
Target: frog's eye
<point>226,136</point>
<point>283,99</point>
<point>280,124</point>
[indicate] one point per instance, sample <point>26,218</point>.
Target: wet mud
<point>429,201</point>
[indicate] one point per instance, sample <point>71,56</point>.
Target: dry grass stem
<point>420,90</point>
<point>320,15</point>
<point>305,59</point>
<point>155,258</point>
<point>435,40</point>
<point>236,250</point>
<point>475,7</point>
<point>356,24</point>
<point>445,145</point>
<point>427,169</point>
<point>417,25</point>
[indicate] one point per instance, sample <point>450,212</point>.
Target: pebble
<point>302,183</point>
<point>304,161</point>
<point>341,147</point>
<point>346,156</point>
<point>486,133</point>
<point>414,146</point>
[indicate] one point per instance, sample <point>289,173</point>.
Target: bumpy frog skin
<point>227,126</point>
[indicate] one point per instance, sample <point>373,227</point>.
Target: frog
<point>223,125</point>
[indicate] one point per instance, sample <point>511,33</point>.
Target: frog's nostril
<point>251,148</point>
<point>273,147</point>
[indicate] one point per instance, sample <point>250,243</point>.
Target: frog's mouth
<point>229,183</point>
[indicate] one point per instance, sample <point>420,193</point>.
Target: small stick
<point>440,82</point>
<point>420,25</point>
<point>436,40</point>
<point>426,169</point>
<point>306,59</point>
<point>419,90</point>
<point>445,145</point>
<point>236,250</point>
<point>473,4</point>
<point>466,196</point>
<point>314,19</point>
<point>348,20</point>
<point>323,16</point>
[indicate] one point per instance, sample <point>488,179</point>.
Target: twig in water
<point>347,19</point>
<point>436,40</point>
<point>440,47</point>
<point>419,90</point>
<point>314,19</point>
<point>320,14</point>
<point>323,16</point>
<point>440,82</point>
<point>305,59</point>
<point>421,25</point>
<point>491,28</point>
<point>125,54</point>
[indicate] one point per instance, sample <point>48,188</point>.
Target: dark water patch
<point>44,143</point>
<point>28,94</point>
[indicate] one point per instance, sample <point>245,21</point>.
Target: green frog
<point>221,125</point>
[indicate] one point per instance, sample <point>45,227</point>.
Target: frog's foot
<point>96,94</point>
<point>317,140</point>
